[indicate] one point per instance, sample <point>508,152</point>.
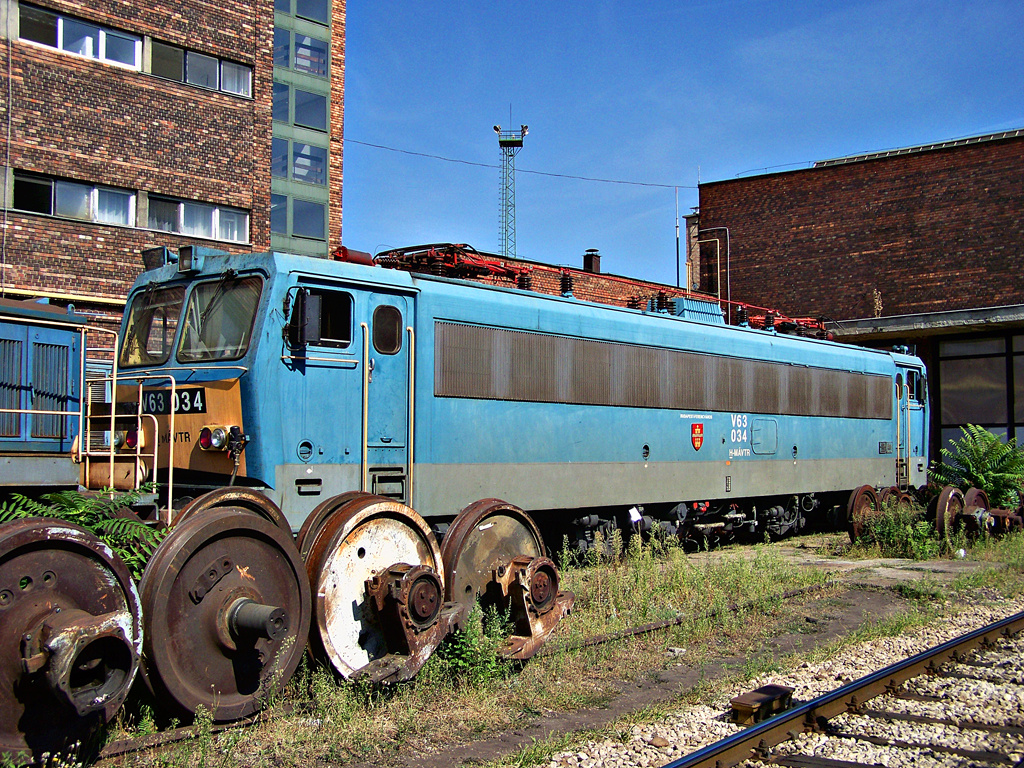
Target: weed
<point>921,589</point>
<point>900,530</point>
<point>980,459</point>
<point>470,656</point>
<point>131,539</point>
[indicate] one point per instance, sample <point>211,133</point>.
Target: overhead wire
<point>518,170</point>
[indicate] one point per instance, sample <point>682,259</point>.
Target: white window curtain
<point>72,200</point>
<point>233,225</point>
<point>197,219</point>
<point>235,78</point>
<point>113,207</point>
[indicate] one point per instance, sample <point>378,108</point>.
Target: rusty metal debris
<point>227,607</point>
<point>494,553</point>
<point>71,630</point>
<point>757,705</point>
<point>536,605</point>
<point>378,587</point>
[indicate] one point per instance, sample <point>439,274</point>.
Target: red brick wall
<point>589,286</point>
<point>928,231</point>
<point>93,122</point>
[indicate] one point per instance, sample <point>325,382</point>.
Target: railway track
<point>958,703</point>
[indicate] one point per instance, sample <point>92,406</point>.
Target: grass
<point>464,692</point>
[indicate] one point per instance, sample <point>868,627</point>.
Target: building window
<point>282,47</point>
<point>201,70</point>
<point>186,217</point>
<point>314,10</point>
<point>308,219</point>
<point>309,163</point>
<point>281,98</point>
<point>279,158</point>
<point>184,66</point>
<point>311,10</point>
<point>74,200</point>
<point>310,55</point>
<point>80,37</point>
<point>981,381</point>
<point>310,110</point>
<point>235,78</point>
<point>279,214</point>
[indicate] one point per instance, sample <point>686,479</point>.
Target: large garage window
<point>981,381</point>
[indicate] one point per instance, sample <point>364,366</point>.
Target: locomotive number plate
<point>158,401</point>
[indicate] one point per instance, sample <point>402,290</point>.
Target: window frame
<point>215,223</point>
<point>101,54</point>
<point>182,76</point>
<point>93,197</point>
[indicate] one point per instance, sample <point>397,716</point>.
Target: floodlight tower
<point>510,142</point>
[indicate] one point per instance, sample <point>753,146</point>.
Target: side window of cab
<point>320,317</point>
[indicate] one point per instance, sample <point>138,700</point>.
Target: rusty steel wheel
<point>70,634</point>
<point>889,493</point>
<point>493,552</point>
<point>863,505</point>
<point>948,508</point>
<point>227,609</point>
<point>246,499</point>
<point>378,586</point>
<point>976,498</point>
<point>315,520</point>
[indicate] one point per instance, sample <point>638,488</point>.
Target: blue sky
<point>660,93</point>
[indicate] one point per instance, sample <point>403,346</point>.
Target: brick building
<point>173,122</point>
<point>921,246</point>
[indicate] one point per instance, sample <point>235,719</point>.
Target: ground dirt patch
<point>867,591</point>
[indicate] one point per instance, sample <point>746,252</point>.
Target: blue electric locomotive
<point>369,409</point>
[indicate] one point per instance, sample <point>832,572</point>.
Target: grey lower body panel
<point>38,471</point>
<point>444,489</point>
<point>298,488</point>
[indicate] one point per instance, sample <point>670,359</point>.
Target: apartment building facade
<point>127,126</point>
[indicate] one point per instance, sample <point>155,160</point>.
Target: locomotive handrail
<point>364,454</point>
<point>37,412</point>
<point>190,369</point>
<point>412,411</point>
<point>321,359</point>
<point>140,378</point>
<point>83,424</point>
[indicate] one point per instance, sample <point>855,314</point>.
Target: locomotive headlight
<point>118,440</point>
<point>213,438</point>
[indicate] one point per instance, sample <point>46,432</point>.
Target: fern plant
<point>980,459</point>
<point>133,540</point>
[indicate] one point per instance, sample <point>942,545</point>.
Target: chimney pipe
<point>591,260</point>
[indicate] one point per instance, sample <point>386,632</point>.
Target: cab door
<point>911,428</point>
<point>387,353</point>
<point>916,419</point>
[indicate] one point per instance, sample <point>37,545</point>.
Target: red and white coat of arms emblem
<point>697,436</point>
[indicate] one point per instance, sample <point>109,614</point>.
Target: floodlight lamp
<point>525,129</point>
<point>497,129</point>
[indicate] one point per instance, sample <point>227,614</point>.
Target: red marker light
<point>205,439</point>
<point>131,438</point>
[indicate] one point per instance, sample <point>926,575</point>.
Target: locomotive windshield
<point>218,319</point>
<point>152,322</point>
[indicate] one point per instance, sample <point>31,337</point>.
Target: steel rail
<point>754,742</point>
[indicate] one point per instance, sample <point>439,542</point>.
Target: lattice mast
<point>510,142</point>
